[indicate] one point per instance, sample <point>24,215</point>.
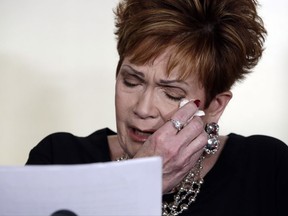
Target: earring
<point>213,143</point>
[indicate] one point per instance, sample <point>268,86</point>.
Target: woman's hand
<point>179,150</point>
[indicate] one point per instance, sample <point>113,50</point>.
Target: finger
<point>188,141</point>
<point>193,151</point>
<point>180,118</point>
<point>167,134</point>
<point>192,129</point>
<point>186,112</point>
<point>197,144</point>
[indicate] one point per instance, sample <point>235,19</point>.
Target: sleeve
<point>282,179</point>
<point>57,148</point>
<point>41,153</point>
<point>271,157</point>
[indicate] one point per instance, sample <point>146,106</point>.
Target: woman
<point>177,58</point>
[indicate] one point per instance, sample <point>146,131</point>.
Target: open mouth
<point>139,135</point>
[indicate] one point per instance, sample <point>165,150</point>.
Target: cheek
<point>166,108</point>
<point>123,101</point>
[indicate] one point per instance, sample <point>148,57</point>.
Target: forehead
<point>176,55</point>
<point>156,69</point>
<point>165,64</point>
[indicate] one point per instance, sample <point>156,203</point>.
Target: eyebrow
<point>161,82</point>
<point>167,82</point>
<point>139,73</point>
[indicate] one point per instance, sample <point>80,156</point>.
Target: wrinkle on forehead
<point>177,69</point>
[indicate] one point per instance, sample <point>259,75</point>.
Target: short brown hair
<point>219,40</point>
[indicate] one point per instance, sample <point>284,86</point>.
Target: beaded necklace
<point>185,193</point>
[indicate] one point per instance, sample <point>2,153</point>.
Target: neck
<point>115,149</point>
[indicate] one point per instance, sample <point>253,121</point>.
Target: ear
<point>217,107</point>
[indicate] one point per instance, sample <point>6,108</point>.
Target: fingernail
<point>197,102</point>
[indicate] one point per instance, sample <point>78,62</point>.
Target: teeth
<point>142,133</point>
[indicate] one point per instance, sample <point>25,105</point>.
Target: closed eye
<point>129,83</point>
<point>131,80</point>
<point>174,93</point>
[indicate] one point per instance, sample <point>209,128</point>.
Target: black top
<point>250,177</point>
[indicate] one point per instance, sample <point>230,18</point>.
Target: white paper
<point>126,188</point>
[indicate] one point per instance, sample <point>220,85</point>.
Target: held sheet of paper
<point>126,188</point>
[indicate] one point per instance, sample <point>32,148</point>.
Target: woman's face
<point>146,98</point>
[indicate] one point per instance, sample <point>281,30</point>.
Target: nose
<point>145,106</point>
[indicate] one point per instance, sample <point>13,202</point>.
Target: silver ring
<point>177,124</point>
